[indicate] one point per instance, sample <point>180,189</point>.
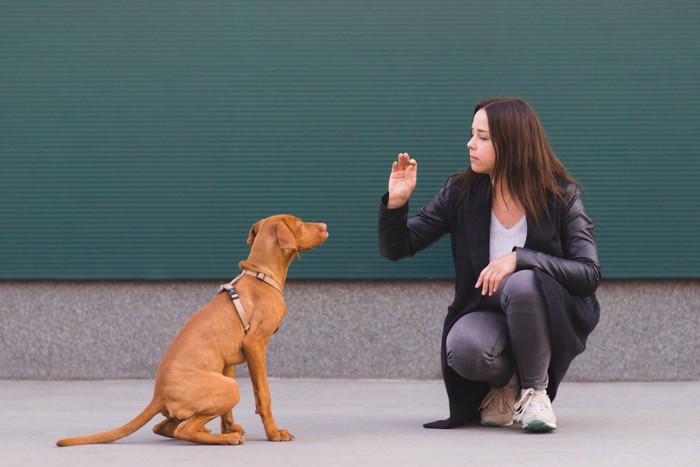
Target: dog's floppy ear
<point>286,238</point>
<point>253,232</point>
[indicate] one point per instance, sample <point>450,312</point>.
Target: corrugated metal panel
<point>140,140</point>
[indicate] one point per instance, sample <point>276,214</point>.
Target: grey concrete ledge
<point>334,329</point>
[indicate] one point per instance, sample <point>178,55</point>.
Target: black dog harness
<point>236,298</point>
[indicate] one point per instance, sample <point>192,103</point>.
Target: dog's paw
<point>234,438</point>
<point>232,428</point>
<point>280,435</point>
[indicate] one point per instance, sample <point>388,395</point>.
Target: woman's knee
<point>467,361</point>
<point>474,348</point>
<point>463,352</point>
<point>520,287</point>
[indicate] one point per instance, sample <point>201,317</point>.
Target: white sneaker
<point>534,409</point>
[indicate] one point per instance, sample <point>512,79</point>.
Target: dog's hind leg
<point>193,430</point>
<point>215,396</point>
<point>167,427</point>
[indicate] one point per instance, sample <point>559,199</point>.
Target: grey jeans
<point>509,333</point>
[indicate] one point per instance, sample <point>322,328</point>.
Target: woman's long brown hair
<point>524,158</point>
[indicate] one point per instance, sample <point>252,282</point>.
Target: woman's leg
<point>477,348</point>
<point>528,328</point>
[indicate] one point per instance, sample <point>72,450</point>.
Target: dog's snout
<point>322,230</point>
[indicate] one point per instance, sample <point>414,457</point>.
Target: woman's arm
<point>579,269</point>
<point>400,237</point>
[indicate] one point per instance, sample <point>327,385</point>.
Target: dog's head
<point>290,233</point>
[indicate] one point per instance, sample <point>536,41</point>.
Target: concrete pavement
<point>358,423</point>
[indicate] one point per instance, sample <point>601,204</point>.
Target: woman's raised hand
<point>402,182</point>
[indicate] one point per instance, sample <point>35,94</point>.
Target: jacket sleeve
<point>579,270</point>
<point>400,237</point>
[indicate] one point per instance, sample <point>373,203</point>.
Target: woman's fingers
<point>492,275</point>
<point>402,181</point>
<point>489,279</point>
<point>405,162</point>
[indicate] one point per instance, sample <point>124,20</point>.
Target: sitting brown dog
<point>194,381</point>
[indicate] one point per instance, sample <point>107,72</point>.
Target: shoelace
<point>488,399</point>
<point>529,401</point>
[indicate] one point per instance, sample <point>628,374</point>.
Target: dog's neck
<point>278,272</point>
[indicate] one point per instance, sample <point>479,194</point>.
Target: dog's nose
<point>323,229</point>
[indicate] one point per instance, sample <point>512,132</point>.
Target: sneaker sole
<point>495,425</point>
<point>539,426</point>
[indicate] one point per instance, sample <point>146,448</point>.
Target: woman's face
<point>482,155</point>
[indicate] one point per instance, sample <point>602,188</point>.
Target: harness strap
<point>262,277</point>
<point>238,305</point>
<point>235,298</point>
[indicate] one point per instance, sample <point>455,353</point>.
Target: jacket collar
<point>477,222</point>
<point>477,225</point>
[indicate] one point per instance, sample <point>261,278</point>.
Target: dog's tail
<point>118,433</point>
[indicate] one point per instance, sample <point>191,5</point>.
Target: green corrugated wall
<point>142,139</point>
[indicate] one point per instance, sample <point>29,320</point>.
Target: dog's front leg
<point>227,423</point>
<point>256,357</point>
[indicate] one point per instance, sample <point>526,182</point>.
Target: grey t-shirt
<point>503,239</point>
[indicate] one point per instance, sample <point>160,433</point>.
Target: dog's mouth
<point>314,234</point>
<point>322,237</point>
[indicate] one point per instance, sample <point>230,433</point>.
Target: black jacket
<point>561,250</point>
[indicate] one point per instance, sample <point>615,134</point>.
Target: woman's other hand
<point>492,275</point>
<point>402,181</point>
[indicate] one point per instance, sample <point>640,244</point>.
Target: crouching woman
<point>526,268</point>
